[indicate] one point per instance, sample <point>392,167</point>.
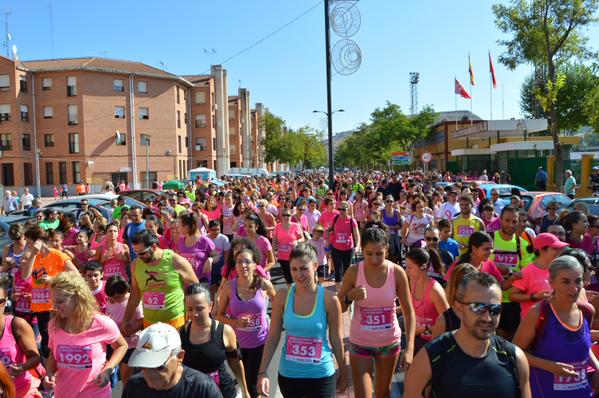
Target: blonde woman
<point>79,334</point>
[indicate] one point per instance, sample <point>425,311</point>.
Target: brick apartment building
<point>95,118</point>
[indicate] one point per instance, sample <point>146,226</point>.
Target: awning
<point>471,151</point>
<point>503,128</point>
<point>522,146</point>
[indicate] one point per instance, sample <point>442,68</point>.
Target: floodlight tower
<point>414,79</point>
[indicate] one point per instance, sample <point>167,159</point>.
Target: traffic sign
<point>426,157</point>
<point>400,158</point>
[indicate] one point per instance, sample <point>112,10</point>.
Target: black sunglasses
<point>481,308</point>
<point>434,239</point>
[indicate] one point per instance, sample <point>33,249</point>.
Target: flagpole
<point>502,102</point>
<point>455,98</point>
<point>490,86</point>
<point>471,73</point>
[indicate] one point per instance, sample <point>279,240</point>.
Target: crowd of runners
<point>175,299</point>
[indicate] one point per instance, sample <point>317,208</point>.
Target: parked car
<point>592,203</point>
<point>141,195</point>
<point>101,202</point>
<point>5,223</point>
<point>503,189</point>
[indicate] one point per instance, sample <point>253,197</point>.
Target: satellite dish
<point>9,36</point>
<point>198,147</point>
<point>118,135</point>
<point>14,52</point>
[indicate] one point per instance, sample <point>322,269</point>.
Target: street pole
<point>147,164</point>
<point>329,101</point>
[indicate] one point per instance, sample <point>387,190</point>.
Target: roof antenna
<point>6,12</point>
<point>162,65</point>
<point>15,55</point>
<point>51,30</point>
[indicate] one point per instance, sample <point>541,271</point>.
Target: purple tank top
<point>574,346</point>
<point>197,254</point>
<point>255,334</point>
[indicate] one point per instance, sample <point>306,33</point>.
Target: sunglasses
<point>434,239</point>
<point>481,308</point>
<point>388,201</point>
<point>286,215</point>
<point>301,209</point>
<point>147,249</point>
<point>342,209</point>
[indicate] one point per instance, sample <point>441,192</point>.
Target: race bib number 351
<point>376,318</point>
<point>303,349</point>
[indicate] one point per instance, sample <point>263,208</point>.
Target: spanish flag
<point>492,70</point>
<point>470,71</point>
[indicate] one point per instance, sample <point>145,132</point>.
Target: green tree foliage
<point>302,147</point>
<point>547,34</point>
<point>390,130</point>
<point>592,109</point>
<point>579,81</point>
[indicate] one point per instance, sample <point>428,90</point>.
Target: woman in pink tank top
<point>372,287</point>
<point>18,351</point>
<point>113,256</point>
<point>428,297</point>
<point>99,235</point>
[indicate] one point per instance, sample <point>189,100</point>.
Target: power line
<point>268,36</point>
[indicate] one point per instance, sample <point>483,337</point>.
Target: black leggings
<point>43,318</point>
<point>309,388</point>
<point>341,261</point>
<point>286,270</point>
<point>251,358</point>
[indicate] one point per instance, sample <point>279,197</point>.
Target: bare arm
<point>184,269</point>
<point>235,363</point>
<point>523,373</point>
<point>348,283</point>
<point>403,292</point>
<point>272,341</point>
<point>335,321</point>
<point>26,340</point>
<point>439,327</point>
<point>223,303</point>
<point>134,298</point>
<point>439,299</point>
<point>418,376</point>
<point>270,262</point>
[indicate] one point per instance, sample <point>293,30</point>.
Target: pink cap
<point>548,240</point>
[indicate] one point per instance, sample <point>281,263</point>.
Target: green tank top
<point>161,290</point>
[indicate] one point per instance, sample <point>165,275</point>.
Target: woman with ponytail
<point>242,305</point>
<point>480,247</point>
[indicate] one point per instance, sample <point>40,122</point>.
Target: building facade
<point>90,119</point>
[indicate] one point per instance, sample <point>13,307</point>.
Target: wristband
<point>262,373</point>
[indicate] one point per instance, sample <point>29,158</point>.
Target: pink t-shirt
<point>342,236</point>
<point>320,253</point>
<point>286,239</point>
<point>488,267</point>
<point>326,219</point>
<point>228,220</point>
<point>213,214</point>
<point>81,357</point>
<point>265,247</point>
<point>534,280</point>
<point>101,297</point>
<point>116,312</point>
<point>585,244</point>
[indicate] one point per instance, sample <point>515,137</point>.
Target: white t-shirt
<point>417,226</point>
<point>447,211</point>
<point>221,245</point>
<point>26,200</point>
<point>312,218</point>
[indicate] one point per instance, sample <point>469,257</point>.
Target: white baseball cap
<point>155,346</point>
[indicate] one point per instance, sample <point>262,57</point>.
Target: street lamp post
<point>329,116</point>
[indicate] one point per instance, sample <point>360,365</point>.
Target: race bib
<point>74,356</point>
<point>284,248</point>
<point>111,269</point>
<point>303,349</point>
<point>509,259</point>
<point>191,258</point>
<point>569,383</point>
<point>254,324</point>
<point>154,300</point>
<point>23,305</point>
<point>465,230</point>
<point>5,356</point>
<point>374,319</point>
<point>342,237</point>
<point>40,295</point>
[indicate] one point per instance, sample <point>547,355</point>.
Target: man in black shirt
<point>395,187</point>
<point>160,357</point>
<point>472,361</point>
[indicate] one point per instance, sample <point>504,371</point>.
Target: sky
<point>284,67</point>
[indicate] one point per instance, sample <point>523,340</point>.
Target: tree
<point>579,81</point>
<point>592,109</point>
<point>546,34</point>
<point>274,128</point>
<point>308,149</point>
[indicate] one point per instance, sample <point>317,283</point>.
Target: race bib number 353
<point>303,349</point>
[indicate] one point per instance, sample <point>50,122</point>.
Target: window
<point>71,86</point>
<point>178,96</point>
<point>121,139</point>
<point>202,163</point>
<point>73,115</point>
<point>6,142</point>
<point>231,113</point>
<point>4,82</point>
<point>48,140</point>
<point>179,143</point>
<point>4,112</point>
<point>144,113</point>
<point>24,113</point>
<point>213,142</point>
<point>23,84</point>
<point>76,171</point>
<point>233,149</point>
<point>142,87</point>
<point>26,143</point>
<point>119,112</point>
<point>144,139</point>
<point>74,143</point>
<point>200,97</point>
<point>201,120</point>
<point>8,174</point>
<point>47,83</point>
<point>179,119</point>
<point>201,144</point>
<point>48,112</point>
<point>118,85</point>
<point>62,172</point>
<point>232,132</point>
<point>49,173</point>
<point>28,173</point>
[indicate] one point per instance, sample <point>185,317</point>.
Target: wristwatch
<point>348,302</point>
